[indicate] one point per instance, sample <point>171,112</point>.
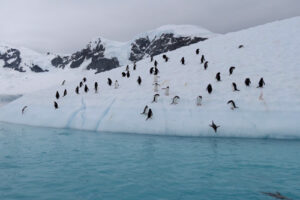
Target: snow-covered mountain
<point>101,54</point>
<point>270,51</point>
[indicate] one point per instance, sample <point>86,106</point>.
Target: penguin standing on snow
<point>145,111</point>
<point>151,70</point>
<point>63,83</point>
<point>127,68</point>
<point>199,100</point>
<point>151,58</point>
<point>175,100</point>
<point>77,90</point>
<point>57,95</point>
<point>156,87</point>
<point>23,110</point>
<point>116,84</point>
<point>128,74</point>
<point>109,81</point>
<point>156,71</point>
<point>202,59</point>
<point>155,63</point>
<point>65,92</point>
<point>155,98</point>
<point>182,61</point>
<point>197,51</point>
<point>231,70</point>
<point>86,89</point>
<point>80,84</point>
<point>150,114</point>
<point>96,87</point>
<point>134,66</point>
<point>205,65</point>
<point>233,106</point>
<point>165,57</point>
<point>235,87</point>
<point>84,79</point>
<point>261,83</point>
<point>139,80</point>
<point>247,82</point>
<point>214,126</point>
<point>123,74</point>
<point>218,76</point>
<point>209,89</point>
<point>167,89</point>
<point>55,105</point>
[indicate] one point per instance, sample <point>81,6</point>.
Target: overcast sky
<point>64,26</point>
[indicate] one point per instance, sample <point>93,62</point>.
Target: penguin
<point>63,83</point>
<point>123,74</point>
<point>235,87</point>
<point>156,71</point>
<point>145,111</point>
<point>199,100</point>
<point>86,89</point>
<point>182,61</point>
<point>209,89</point>
<point>65,93</point>
<point>77,90</point>
<point>155,63</point>
<point>109,81</point>
<point>84,79</point>
<point>80,84</point>
<point>214,126</point>
<point>127,68</point>
<point>151,58</point>
<point>156,87</point>
<point>134,66</point>
<point>55,105</point>
<point>150,114</point>
<point>197,51</point>
<point>247,82</point>
<point>167,89</point>
<point>261,83</point>
<point>233,106</point>
<point>96,87</point>
<point>202,59</point>
<point>175,100</point>
<point>23,109</point>
<point>241,46</point>
<point>231,70</point>
<point>218,76</point>
<point>128,74</point>
<point>205,65</point>
<point>151,70</point>
<point>57,95</point>
<point>165,57</point>
<point>139,80</point>
<point>155,98</point>
<point>116,84</point>
<point>275,195</point>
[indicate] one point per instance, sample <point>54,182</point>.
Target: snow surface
<point>270,51</point>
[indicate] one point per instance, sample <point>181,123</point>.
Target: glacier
<point>270,51</point>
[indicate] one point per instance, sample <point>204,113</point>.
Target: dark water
<point>40,163</point>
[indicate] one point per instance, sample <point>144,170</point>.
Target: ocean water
<point>43,163</point>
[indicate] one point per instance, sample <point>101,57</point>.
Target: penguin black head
<point>247,82</point>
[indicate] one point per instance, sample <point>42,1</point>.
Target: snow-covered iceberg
<point>270,51</point>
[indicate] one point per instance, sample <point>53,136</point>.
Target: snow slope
<point>270,51</point>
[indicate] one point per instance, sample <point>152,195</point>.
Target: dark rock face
<point>96,54</point>
<point>12,59</point>
<point>143,47</point>
<point>140,49</point>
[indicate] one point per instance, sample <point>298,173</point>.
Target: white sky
<point>64,26</point>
